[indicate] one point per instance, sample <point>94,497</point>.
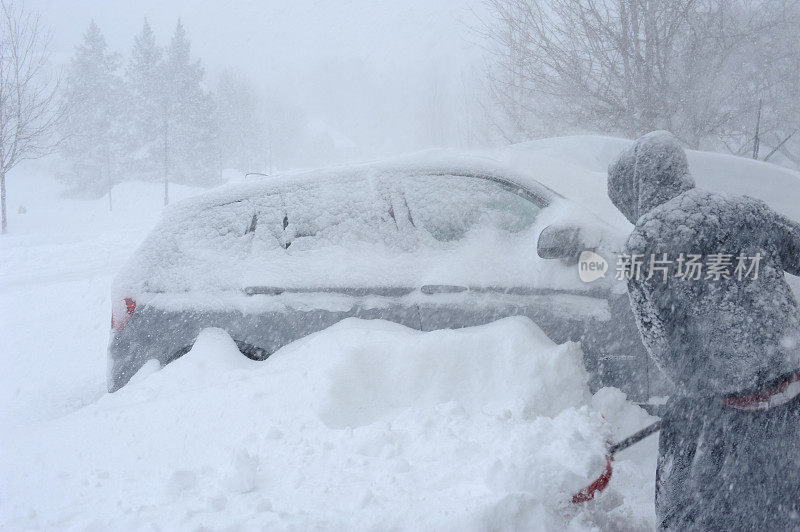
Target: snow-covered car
<point>432,242</point>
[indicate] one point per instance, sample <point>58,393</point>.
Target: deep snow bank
<point>366,425</point>
<point>577,166</point>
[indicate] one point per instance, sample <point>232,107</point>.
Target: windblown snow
<point>366,425</point>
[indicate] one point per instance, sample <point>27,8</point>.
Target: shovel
<point>587,493</point>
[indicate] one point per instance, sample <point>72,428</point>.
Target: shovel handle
<point>635,438</point>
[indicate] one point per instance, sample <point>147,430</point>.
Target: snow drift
<point>366,425</point>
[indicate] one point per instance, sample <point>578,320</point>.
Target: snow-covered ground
<point>366,425</point>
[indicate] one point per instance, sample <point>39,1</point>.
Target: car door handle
<point>430,289</point>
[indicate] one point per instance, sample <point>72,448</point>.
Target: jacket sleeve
<point>650,325</point>
<point>788,240</point>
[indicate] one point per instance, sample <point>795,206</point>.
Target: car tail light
<point>121,312</point>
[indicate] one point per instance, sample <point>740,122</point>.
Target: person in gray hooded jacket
<point>705,275</point>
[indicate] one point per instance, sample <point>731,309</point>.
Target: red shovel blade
<point>587,493</point>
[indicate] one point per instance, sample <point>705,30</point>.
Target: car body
<point>431,242</point>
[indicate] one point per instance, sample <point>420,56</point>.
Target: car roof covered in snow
<point>353,226</point>
<point>428,162</point>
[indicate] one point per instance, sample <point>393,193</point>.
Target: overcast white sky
<point>355,58</point>
<point>258,34</point>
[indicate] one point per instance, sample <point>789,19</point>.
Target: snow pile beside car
<point>366,425</point>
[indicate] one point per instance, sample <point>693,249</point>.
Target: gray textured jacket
<point>711,336</point>
<point>719,468</point>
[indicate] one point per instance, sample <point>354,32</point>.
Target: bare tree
<point>765,77</point>
<point>27,93</point>
<point>695,67</point>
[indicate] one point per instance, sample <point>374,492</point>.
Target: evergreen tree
<point>93,128</point>
<point>145,81</point>
<point>242,143</point>
<point>188,118</point>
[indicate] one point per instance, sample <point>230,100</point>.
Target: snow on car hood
<point>577,167</point>
<point>412,221</point>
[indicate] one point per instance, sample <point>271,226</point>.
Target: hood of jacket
<point>651,172</point>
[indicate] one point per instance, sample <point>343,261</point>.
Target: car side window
<point>346,211</point>
<point>449,207</point>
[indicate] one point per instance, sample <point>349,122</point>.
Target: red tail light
<point>121,312</point>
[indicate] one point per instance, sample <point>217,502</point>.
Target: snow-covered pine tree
<point>242,139</point>
<point>93,129</point>
<point>145,82</point>
<point>188,119</point>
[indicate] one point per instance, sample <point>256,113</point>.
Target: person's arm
<point>788,237</point>
<point>650,325</point>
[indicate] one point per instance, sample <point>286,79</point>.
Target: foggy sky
<point>362,66</point>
